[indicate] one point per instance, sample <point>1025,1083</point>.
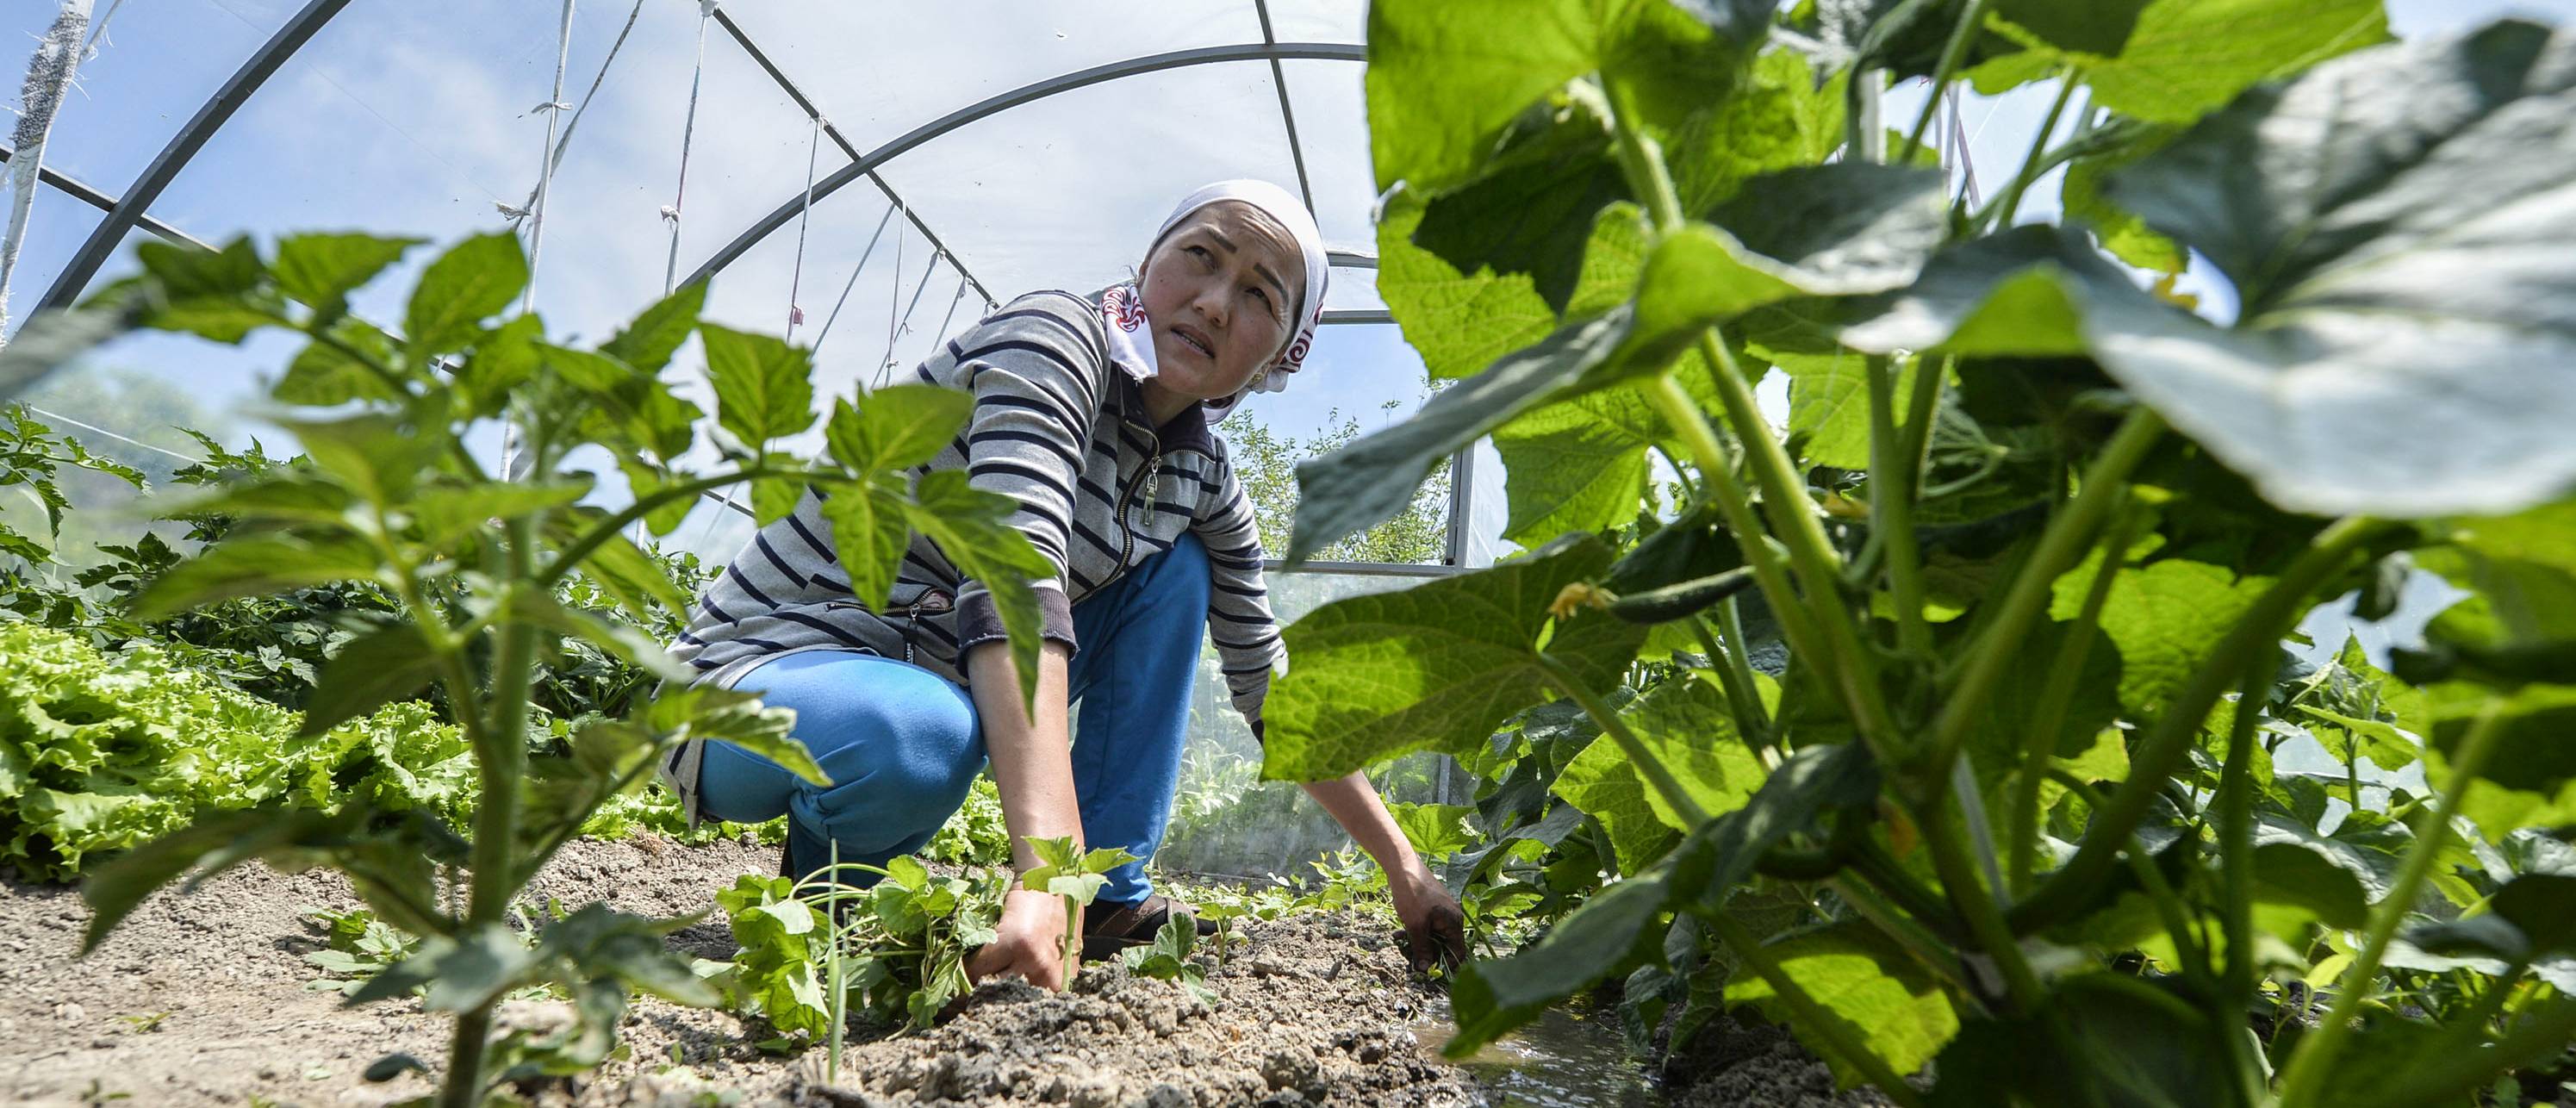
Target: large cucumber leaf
<point>1436,667</point>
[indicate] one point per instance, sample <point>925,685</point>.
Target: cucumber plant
<point>396,498</point>
<point>1981,775</point>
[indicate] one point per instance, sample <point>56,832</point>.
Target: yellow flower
<point>1580,594</point>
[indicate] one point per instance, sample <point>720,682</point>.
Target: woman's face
<point>1220,291</point>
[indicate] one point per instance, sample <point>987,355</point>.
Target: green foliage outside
<point>1946,726</point>
<point>478,565</point>
<point>1266,462</point>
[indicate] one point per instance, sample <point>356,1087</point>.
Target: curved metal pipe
<point>192,137</point>
<point>1132,67</point>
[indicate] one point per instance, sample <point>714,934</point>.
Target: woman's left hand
<point>1435,928</point>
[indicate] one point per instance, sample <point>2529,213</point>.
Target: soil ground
<point>203,999</point>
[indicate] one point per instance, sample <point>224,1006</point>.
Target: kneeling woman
<point>1093,415</point>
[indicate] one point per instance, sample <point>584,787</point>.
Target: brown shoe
<point>1105,933</point>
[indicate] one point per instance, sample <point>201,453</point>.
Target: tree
<point>1266,462</point>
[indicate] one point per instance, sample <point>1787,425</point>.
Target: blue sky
<point>419,118</point>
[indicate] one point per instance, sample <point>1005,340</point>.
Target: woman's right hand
<point>1029,942</point>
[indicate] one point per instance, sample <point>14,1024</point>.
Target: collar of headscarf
<point>1131,341</point>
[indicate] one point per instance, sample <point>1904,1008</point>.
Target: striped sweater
<point>1059,427</point>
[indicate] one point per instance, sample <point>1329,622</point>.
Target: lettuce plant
<point>100,751</point>
<point>1963,757</point>
<point>395,497</point>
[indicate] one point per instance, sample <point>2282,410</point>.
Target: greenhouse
<point>1411,552</point>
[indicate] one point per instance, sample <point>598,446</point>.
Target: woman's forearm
<point>1353,802</point>
<point>1032,758</point>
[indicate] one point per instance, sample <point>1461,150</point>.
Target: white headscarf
<point>1123,307</point>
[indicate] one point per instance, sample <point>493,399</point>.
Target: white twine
<point>688,133</point>
<point>953,301</point>
<point>515,464</point>
<point>885,372</point>
<point>96,430</point>
<point>796,277</point>
<point>554,110</point>
<point>853,282</point>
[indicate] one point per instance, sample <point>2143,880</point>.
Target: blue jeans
<point>902,744</point>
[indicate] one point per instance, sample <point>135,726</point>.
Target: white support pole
<point>58,54</point>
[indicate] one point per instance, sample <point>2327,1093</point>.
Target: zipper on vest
<point>1126,532</point>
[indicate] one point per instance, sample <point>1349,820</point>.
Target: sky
<point>425,118</point>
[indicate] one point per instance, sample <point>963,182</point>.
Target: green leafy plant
<point>101,751</point>
<point>1941,724</point>
<point>899,946</point>
<point>975,835</point>
<point>32,459</point>
<point>1076,875</point>
<point>1167,958</point>
<point>144,1023</point>
<point>356,947</point>
<point>393,498</point>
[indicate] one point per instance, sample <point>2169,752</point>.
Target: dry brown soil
<point>205,999</point>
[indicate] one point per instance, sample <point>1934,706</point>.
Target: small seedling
<point>1167,958</point>
<point>144,1024</point>
<point>1078,879</point>
<point>357,947</point>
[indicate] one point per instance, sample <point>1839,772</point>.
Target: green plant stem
<point>2039,746</point>
<point>1730,631</point>
<point>2309,1064</point>
<point>2237,981</point>
<point>2006,205</point>
<point>1952,53</point>
<point>2187,949</point>
<point>1683,804</point>
<point>501,760</point>
<point>2154,759</point>
<point>1718,482</point>
<point>1891,506</point>
<point>1812,1017</point>
<point>2236,826</point>
<point>1735,677</point>
<point>2065,538</point>
<point>1976,904</point>
<point>1889,879</point>
<point>840,998</point>
<point>1921,407</point>
<point>464,1085</point>
<point>1793,518</point>
<point>1792,514</point>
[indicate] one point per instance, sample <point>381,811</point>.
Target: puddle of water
<point>1569,1057</point>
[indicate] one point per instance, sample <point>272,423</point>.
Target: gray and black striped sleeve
<point>1246,635</point>
<point>1035,368</point>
